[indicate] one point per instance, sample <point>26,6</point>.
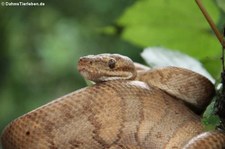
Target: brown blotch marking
<point>49,126</point>
<point>97,126</point>
<point>176,112</point>
<point>159,135</point>
<point>141,113</point>
<point>92,120</point>
<point>75,143</point>
<point>123,108</point>
<point>52,145</point>
<point>32,116</point>
<point>106,86</point>
<point>69,116</point>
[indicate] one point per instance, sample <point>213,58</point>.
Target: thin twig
<point>210,21</point>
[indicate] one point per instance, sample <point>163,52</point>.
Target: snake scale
<point>129,107</point>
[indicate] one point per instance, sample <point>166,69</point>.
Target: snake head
<point>105,67</point>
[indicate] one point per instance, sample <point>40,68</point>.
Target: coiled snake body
<point>129,107</point>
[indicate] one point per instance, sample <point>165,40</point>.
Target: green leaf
<point>221,4</point>
<point>210,120</point>
<point>173,24</point>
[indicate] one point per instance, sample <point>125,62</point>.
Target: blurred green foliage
<point>181,26</point>
<point>41,45</point>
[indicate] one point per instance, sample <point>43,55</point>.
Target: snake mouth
<point>86,73</point>
<point>81,69</point>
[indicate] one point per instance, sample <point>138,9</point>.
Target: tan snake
<point>130,107</point>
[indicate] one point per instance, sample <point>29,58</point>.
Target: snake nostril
<point>28,133</point>
<point>80,60</point>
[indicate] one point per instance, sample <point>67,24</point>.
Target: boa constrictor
<point>129,107</point>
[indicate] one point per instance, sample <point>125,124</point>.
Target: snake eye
<point>112,63</point>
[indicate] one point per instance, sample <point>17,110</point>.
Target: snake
<point>129,106</point>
